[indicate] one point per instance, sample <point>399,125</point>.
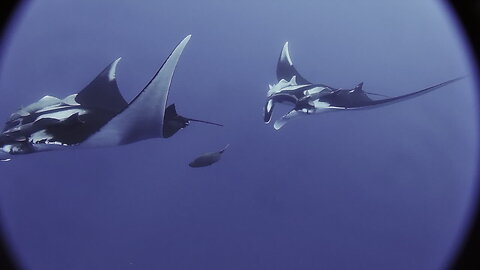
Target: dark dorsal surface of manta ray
<point>310,98</point>
<point>207,159</point>
<point>97,116</point>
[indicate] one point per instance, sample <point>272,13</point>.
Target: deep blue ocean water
<point>387,188</point>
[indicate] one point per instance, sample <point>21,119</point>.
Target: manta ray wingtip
<point>113,68</point>
<point>286,54</point>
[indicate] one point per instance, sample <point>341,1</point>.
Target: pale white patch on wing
<point>70,100</point>
<point>319,104</point>
<point>43,102</point>
<point>293,87</point>
<point>53,107</point>
<point>314,90</point>
<point>46,101</point>
<point>281,85</point>
<point>321,107</point>
<point>61,115</point>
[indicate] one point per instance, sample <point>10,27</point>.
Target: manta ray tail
<point>173,122</point>
<point>205,122</point>
<point>375,94</point>
<point>414,94</point>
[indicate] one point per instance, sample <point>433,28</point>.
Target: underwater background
<point>386,188</point>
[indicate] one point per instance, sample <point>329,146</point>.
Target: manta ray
<point>97,116</point>
<point>309,98</point>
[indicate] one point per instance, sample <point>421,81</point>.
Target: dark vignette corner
<point>468,15</point>
<point>7,8</point>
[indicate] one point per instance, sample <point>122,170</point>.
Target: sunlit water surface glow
<point>389,188</point>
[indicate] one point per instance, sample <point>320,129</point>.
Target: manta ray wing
<point>103,93</point>
<point>285,68</point>
<point>144,116</point>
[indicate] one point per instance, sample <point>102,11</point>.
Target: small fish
<point>207,159</point>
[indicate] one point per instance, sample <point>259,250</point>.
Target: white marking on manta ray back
<point>280,86</point>
<point>319,104</point>
<point>314,90</point>
<point>293,87</point>
<point>62,115</point>
<point>53,107</point>
<point>44,102</point>
<point>70,100</point>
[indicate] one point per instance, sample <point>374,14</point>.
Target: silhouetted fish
<point>207,159</point>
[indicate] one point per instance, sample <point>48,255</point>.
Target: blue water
<point>387,188</point>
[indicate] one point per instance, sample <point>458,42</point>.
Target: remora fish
<point>309,98</point>
<point>96,116</point>
<point>207,159</point>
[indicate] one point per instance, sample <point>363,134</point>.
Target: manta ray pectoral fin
<point>144,116</point>
<point>282,121</point>
<point>285,68</point>
<point>102,92</point>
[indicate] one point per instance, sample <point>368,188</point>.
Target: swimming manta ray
<point>97,116</point>
<point>309,98</point>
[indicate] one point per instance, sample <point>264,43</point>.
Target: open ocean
<point>386,188</point>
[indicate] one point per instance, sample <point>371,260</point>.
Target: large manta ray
<point>97,116</point>
<point>309,98</point>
